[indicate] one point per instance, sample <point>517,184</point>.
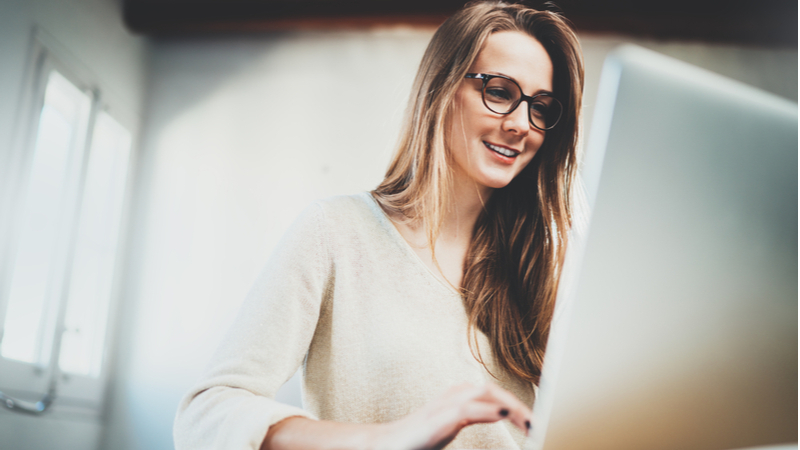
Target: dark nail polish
<point>504,412</point>
<point>528,424</point>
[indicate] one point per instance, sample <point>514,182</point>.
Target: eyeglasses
<point>502,95</point>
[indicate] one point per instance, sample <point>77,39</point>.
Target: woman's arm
<point>300,433</point>
<point>233,406</point>
<point>431,427</point>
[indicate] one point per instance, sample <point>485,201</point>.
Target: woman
<point>420,311</point>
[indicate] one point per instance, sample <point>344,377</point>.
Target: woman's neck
<point>466,202</point>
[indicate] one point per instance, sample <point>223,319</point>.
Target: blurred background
<point>153,152</point>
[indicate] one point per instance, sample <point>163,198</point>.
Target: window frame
<point>75,395</point>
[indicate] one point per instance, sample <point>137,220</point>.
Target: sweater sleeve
<point>233,405</point>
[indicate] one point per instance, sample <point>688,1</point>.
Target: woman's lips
<point>504,154</point>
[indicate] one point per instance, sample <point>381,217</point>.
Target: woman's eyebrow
<point>540,91</point>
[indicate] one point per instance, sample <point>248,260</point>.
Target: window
<point>62,246</point>
<point>96,240</point>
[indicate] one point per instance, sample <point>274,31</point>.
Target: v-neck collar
<point>394,234</point>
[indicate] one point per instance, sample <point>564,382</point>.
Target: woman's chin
<point>497,182</point>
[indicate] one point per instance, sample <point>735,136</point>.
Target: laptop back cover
<point>680,327</point>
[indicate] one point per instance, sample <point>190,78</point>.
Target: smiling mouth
<point>501,150</point>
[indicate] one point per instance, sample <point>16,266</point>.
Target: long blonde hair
<point>514,261</point>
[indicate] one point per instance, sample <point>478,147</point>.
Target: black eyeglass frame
<point>485,77</point>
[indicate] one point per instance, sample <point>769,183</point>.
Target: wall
<point>241,134</point>
<point>93,37</point>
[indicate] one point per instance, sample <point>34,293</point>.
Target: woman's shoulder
<point>350,202</point>
<point>348,208</point>
<point>354,218</point>
<point>340,221</point>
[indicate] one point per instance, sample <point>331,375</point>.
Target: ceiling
<point>762,22</point>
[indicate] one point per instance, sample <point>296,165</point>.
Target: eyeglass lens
<point>502,95</point>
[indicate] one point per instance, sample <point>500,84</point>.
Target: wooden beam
<point>770,23</point>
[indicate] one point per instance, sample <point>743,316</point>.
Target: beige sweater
<point>377,333</point>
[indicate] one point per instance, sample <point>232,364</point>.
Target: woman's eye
<point>498,94</point>
<point>539,109</point>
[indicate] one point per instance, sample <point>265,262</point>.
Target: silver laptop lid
<point>679,320</point>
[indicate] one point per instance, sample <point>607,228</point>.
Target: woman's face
<point>490,149</point>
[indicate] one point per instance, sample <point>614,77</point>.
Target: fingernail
<point>504,412</point>
<point>528,424</point>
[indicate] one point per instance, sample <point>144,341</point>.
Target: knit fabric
<point>378,334</point>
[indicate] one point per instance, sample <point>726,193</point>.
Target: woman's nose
<point>517,121</point>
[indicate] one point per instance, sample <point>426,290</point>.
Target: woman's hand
<point>436,424</point>
<point>431,427</point>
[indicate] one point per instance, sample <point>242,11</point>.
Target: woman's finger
<point>507,405</point>
<point>518,412</point>
<point>482,412</point>
<point>438,423</point>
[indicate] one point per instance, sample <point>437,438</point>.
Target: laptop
<point>676,325</point>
